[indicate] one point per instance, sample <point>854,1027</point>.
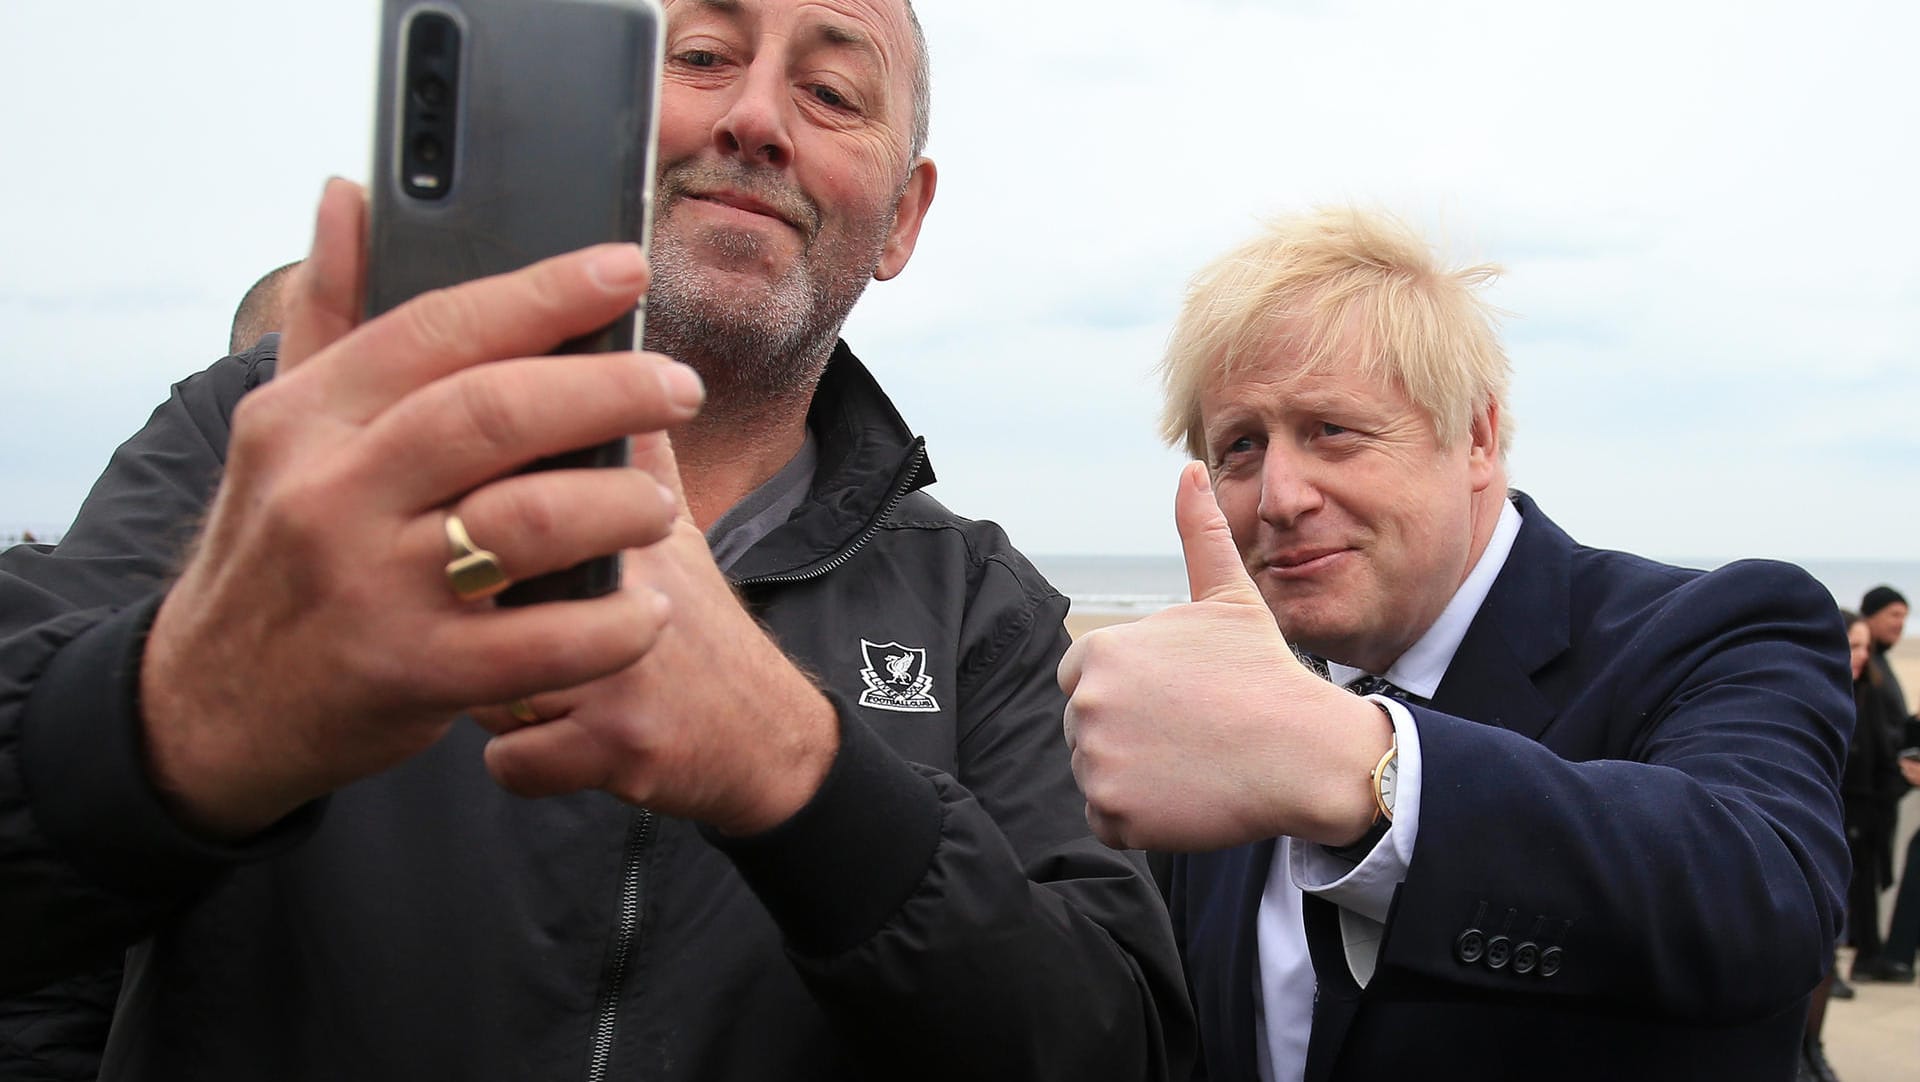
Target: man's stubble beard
<point>763,347</point>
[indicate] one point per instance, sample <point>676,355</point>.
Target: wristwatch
<point>1385,780</point>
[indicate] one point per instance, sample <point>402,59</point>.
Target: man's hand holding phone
<point>313,637</point>
<point>714,723</point>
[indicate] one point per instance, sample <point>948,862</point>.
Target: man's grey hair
<point>922,87</point>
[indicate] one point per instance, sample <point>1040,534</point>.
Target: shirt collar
<point>1420,670</point>
<point>759,512</point>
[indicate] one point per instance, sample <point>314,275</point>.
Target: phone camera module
<point>431,106</point>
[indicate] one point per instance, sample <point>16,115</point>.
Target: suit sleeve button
<point>1550,961</point>
<point>1499,952</point>
<point>1470,946</point>
<point>1525,957</point>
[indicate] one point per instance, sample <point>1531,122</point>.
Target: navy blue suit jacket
<point>1630,862</point>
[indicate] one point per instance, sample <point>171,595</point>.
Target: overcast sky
<point>1707,213</point>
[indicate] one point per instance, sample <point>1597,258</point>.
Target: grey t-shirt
<point>766,507</point>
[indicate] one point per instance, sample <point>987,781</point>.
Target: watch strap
<point>1383,816</point>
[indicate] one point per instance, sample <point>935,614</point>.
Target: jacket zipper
<point>902,485</point>
<point>626,931</point>
<point>607,1012</point>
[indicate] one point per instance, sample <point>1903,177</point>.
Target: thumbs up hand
<point>1197,728</point>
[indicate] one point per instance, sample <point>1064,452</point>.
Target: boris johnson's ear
<point>1484,465</point>
<point>907,217</point>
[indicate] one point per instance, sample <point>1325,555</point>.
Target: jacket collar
<point>869,459</point>
<point>1525,623</point>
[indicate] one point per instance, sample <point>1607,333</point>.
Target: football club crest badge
<point>896,678</point>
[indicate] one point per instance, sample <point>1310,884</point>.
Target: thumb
<point>653,452</point>
<point>323,297</point>
<point>1214,570</point>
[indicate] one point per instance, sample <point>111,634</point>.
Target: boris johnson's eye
<point>1234,450</point>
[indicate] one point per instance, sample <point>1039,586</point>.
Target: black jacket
<point>1872,784</point>
<point>938,910</point>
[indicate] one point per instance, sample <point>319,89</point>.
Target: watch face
<point>1388,782</point>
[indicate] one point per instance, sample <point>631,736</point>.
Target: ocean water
<point>1138,585</point>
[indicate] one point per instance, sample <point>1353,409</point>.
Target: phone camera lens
<point>431,91</point>
<point>427,149</point>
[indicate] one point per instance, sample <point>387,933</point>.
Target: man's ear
<point>1483,447</point>
<point>914,201</point>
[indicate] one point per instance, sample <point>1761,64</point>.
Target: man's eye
<point>830,97</point>
<point>1241,446</point>
<point>700,58</point>
<point>1328,428</point>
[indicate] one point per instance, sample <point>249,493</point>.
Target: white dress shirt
<point>1283,993</point>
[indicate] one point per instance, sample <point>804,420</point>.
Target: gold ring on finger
<point>473,572</point>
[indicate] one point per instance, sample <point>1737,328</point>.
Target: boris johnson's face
<point>785,179</point>
<point>1354,520</point>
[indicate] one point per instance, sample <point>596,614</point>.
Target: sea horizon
<point>1118,584</point>
<point>1138,585</point>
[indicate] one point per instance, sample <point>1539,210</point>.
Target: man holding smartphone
<point>847,841</point>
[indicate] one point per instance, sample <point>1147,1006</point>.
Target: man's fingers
<point>499,655</point>
<point>554,757</point>
<point>550,520</point>
<point>527,313</point>
<point>323,294</point>
<point>1214,570</point>
<point>487,421</point>
<point>653,452</point>
<point>1111,830</point>
<point>1073,662</point>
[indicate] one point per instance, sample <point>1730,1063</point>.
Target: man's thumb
<point>653,452</point>
<point>1214,571</point>
<point>323,296</point>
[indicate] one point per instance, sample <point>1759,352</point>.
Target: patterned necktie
<point>1379,685</point>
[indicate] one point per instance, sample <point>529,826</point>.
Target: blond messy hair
<point>1319,284</point>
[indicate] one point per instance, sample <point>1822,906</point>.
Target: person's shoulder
<point>210,395</point>
<point>258,361</point>
<point>233,376</point>
<point>1749,590</point>
<point>982,544</point>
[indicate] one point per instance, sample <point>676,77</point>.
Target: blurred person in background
<point>261,310</point>
<point>1885,726</point>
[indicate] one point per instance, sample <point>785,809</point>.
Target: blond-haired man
<point>1581,822</point>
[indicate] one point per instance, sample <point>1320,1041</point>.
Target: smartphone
<point>509,131</point>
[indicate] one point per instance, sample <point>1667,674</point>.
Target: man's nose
<point>1288,489</point>
<point>754,126</point>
